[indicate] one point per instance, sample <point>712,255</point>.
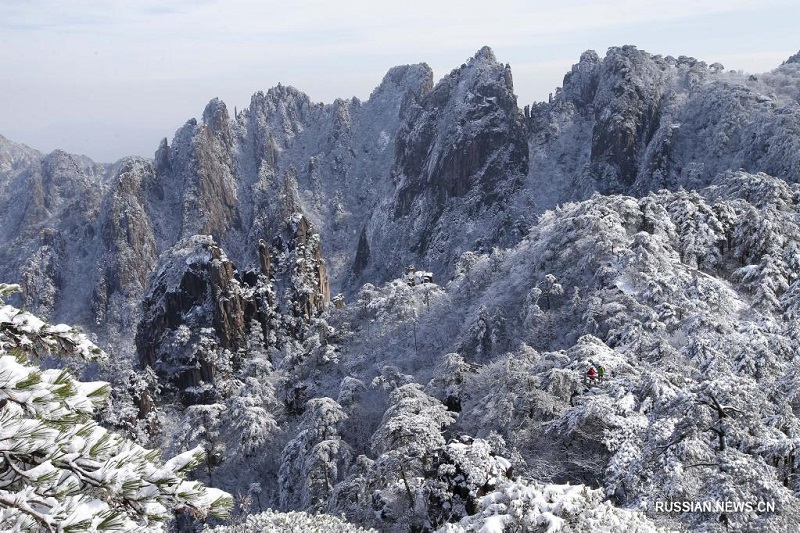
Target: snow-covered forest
<point>434,310</point>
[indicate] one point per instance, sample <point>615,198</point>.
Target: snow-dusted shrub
<point>291,522</point>
<point>519,506</point>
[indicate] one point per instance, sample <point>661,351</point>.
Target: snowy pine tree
<point>59,470</point>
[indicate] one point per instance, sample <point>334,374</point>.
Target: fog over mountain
<point>385,310</point>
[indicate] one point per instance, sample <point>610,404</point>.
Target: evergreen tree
<point>59,470</point>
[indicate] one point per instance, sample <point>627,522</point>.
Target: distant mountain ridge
<point>644,219</point>
<point>416,174</point>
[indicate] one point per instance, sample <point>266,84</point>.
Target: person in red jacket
<point>591,375</point>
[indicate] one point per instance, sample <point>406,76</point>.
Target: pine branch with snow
<point>59,470</point>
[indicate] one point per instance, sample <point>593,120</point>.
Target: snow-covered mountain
<point>644,219</point>
<point>416,174</point>
<point>646,122</point>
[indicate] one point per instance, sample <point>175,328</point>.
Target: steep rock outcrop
<point>627,106</point>
<point>303,259</point>
<point>199,169</point>
<point>460,155</point>
<point>453,141</point>
<point>330,162</point>
<point>580,84</point>
<point>50,204</point>
<point>129,250</point>
<point>197,303</point>
<point>200,311</point>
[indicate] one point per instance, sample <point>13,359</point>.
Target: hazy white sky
<point>109,78</point>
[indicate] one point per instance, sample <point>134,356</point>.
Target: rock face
<point>330,162</point>
<point>452,141</point>
<point>627,109</point>
<point>200,164</point>
<point>195,290</point>
<point>49,205</point>
<point>202,313</point>
<point>127,250</point>
<point>307,269</point>
<point>460,154</point>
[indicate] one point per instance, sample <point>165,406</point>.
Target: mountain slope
<point>692,315</point>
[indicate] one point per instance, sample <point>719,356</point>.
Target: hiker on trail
<point>601,372</point>
<point>591,375</point>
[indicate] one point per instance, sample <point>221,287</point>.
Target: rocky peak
<point>461,148</point>
<point>15,156</point>
<point>282,92</point>
<point>282,107</point>
<point>162,158</point>
<point>17,163</point>
<point>197,175</point>
<point>404,85</point>
<point>196,300</point>
<point>792,59</point>
<point>59,168</point>
<point>199,300</point>
<point>299,268</point>
<point>273,120</point>
<point>342,118</point>
<point>128,251</point>
<point>580,84</point>
<point>485,54</point>
<point>627,113</point>
<point>462,123</point>
<point>482,74</point>
<point>417,79</point>
<point>216,117</point>
<point>658,122</point>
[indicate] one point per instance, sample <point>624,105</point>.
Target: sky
<point>110,78</point>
